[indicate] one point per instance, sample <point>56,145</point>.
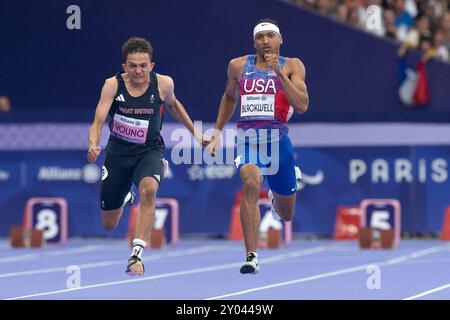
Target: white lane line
<point>280,284</point>
<point>403,258</point>
<point>425,293</point>
<point>28,256</point>
<point>295,254</point>
<point>84,249</point>
<point>19,257</point>
<point>112,262</point>
<point>167,275</point>
<point>416,254</point>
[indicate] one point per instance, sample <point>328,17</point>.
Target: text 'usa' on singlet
<point>136,122</point>
<point>263,103</point>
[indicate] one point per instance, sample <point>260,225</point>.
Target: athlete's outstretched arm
<point>230,96</point>
<point>177,109</point>
<point>103,106</point>
<point>227,103</point>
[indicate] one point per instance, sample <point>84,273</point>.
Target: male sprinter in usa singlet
<point>135,100</point>
<point>266,86</point>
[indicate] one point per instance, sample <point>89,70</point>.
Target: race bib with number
<point>130,129</point>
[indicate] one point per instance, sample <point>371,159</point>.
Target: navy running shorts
<point>120,171</point>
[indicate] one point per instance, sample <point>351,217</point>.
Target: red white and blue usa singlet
<point>264,108</point>
<point>263,103</point>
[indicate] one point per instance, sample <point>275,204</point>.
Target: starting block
<point>272,233</point>
<point>445,235</point>
<point>380,223</point>
<point>375,238</point>
<point>165,228</point>
<point>44,222</point>
<point>157,238</point>
<point>274,238</point>
<point>17,237</point>
<point>365,238</point>
<point>21,237</point>
<point>235,223</point>
<point>348,220</point>
<point>387,239</point>
<point>48,215</point>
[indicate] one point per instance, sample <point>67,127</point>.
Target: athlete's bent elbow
<point>302,108</point>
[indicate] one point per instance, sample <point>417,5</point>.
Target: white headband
<point>265,26</point>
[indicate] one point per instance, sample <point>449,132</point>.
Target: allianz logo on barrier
<point>90,173</point>
<point>4,175</point>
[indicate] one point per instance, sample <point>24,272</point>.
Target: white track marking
<point>172,274</point>
<point>425,293</point>
<point>403,258</point>
<point>101,264</point>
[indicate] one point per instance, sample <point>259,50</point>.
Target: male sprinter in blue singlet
<point>266,86</point>
<point>135,100</point>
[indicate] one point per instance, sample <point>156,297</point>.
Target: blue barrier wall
<point>52,73</point>
<point>416,176</point>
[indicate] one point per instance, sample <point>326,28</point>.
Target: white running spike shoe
<point>251,264</point>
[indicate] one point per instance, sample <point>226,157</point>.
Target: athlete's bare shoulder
<point>164,81</point>
<point>165,86</point>
<point>110,86</point>
<point>236,66</point>
<point>239,60</point>
<point>295,64</point>
<point>238,63</point>
<point>111,81</point>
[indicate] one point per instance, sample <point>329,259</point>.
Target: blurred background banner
<point>333,176</point>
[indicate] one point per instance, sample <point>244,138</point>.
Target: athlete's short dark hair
<point>267,20</point>
<point>136,44</point>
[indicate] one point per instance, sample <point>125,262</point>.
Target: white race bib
<point>257,106</point>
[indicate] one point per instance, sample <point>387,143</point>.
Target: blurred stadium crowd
<point>418,24</point>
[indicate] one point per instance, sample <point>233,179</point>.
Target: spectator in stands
<point>445,27</point>
<point>431,47</point>
<point>420,29</point>
<point>425,45</point>
<point>353,12</point>
<point>327,8</point>
<point>308,4</point>
<point>403,19</point>
<point>435,8</point>
<point>389,24</point>
<point>406,21</point>
<point>354,18</point>
<point>439,50</point>
<point>342,12</point>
